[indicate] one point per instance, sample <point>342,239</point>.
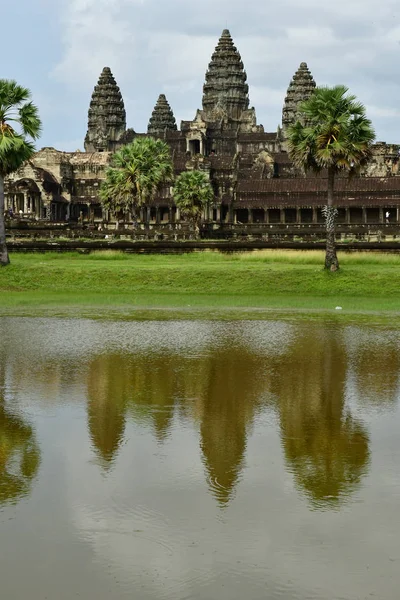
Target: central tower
<point>225,113</point>
<point>225,92</point>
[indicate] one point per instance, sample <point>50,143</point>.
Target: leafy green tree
<point>19,126</point>
<point>332,133</point>
<point>192,194</point>
<point>136,173</point>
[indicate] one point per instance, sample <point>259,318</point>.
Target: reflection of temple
<point>108,389</point>
<point>227,405</point>
<point>325,447</point>
<point>253,179</point>
<point>219,392</point>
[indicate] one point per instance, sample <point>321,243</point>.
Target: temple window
<point>194,147</point>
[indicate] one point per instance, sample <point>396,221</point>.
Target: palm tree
<point>332,133</point>
<point>192,194</point>
<point>19,126</point>
<point>135,174</point>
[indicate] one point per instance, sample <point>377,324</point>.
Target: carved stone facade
<point>252,176</point>
<point>300,88</point>
<point>107,117</point>
<point>162,118</point>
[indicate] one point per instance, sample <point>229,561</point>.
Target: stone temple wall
<point>249,168</point>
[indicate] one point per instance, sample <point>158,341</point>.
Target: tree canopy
<point>192,194</point>
<point>135,174</point>
<point>334,134</point>
<point>20,125</point>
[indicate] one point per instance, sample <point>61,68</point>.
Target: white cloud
<point>154,46</point>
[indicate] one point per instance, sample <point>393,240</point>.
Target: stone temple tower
<point>107,117</point>
<point>162,118</point>
<point>300,88</point>
<point>225,91</point>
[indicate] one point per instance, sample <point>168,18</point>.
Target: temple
<point>255,184</point>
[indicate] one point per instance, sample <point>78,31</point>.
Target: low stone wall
<point>169,247</point>
<point>177,233</point>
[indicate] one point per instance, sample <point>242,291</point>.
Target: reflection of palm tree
<point>19,456</point>
<point>326,448</point>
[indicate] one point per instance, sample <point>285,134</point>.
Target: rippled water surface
<point>204,460</point>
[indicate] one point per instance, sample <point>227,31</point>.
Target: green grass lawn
<point>265,279</point>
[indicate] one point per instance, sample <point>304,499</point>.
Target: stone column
<point>397,214</point>
<point>282,215</point>
<point>364,215</point>
<point>25,203</point>
<point>347,218</point>
<point>235,217</point>
<point>314,215</point>
<point>266,215</point>
<point>219,214</point>
<point>250,215</point>
<point>148,210</point>
<point>157,215</point>
<point>298,215</point>
<point>178,214</point>
<point>381,215</point>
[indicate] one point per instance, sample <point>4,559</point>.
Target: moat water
<point>199,460</point>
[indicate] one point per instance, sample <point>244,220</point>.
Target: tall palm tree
<point>19,126</point>
<point>192,194</point>
<point>135,174</point>
<point>332,133</point>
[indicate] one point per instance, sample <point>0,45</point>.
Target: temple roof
<point>225,92</point>
<point>162,118</point>
<point>300,88</point>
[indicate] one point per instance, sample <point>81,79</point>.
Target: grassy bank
<point>266,279</point>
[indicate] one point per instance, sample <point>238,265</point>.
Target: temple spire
<point>225,91</point>
<point>300,88</point>
<point>107,117</point>
<point>162,118</point>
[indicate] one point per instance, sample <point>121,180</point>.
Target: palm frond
<point>136,172</point>
<point>19,124</point>
<point>332,132</point>
<point>29,120</point>
<point>192,193</point>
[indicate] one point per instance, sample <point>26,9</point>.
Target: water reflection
<point>232,387</point>
<point>212,441</point>
<point>374,360</point>
<point>108,389</point>
<point>326,448</point>
<point>215,379</point>
<point>19,455</point>
<point>218,391</point>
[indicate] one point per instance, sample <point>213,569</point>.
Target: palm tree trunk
<point>4,259</point>
<point>331,261</point>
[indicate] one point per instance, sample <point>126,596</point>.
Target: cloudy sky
<point>164,46</point>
